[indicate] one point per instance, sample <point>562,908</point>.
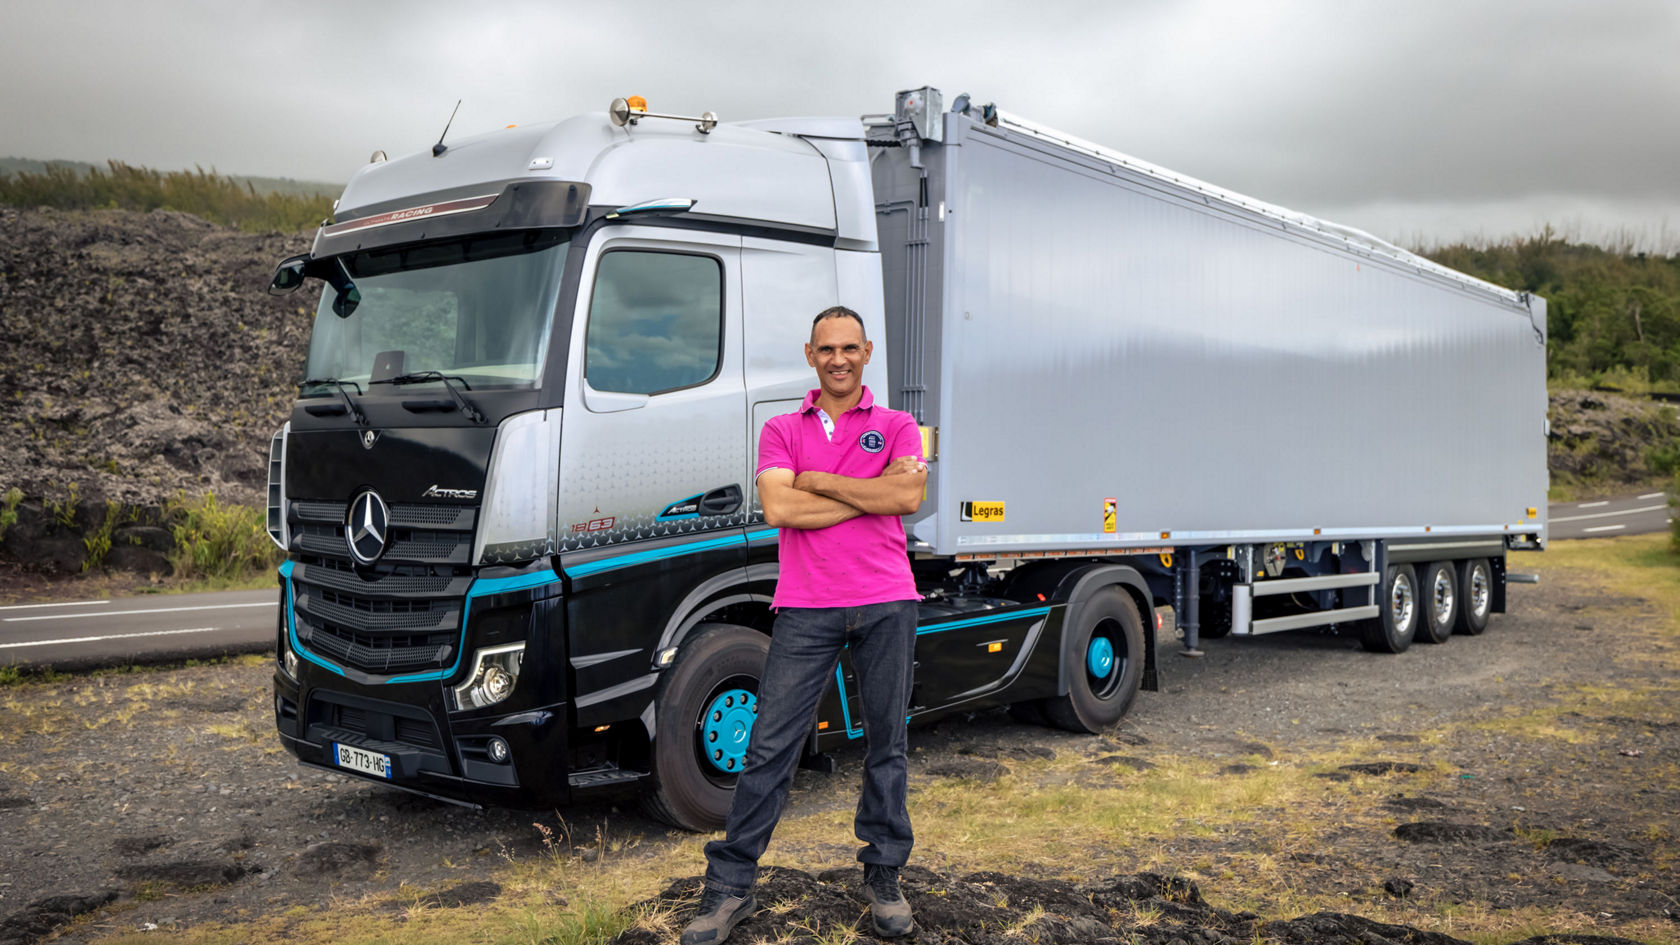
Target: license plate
<point>360,759</point>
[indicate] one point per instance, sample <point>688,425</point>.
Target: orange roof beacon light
<point>630,111</point>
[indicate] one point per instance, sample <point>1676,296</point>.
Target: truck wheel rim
<point>1443,593</point>
<point>1479,591</point>
<point>1400,604</point>
<point>726,729</point>
<point>1099,657</point>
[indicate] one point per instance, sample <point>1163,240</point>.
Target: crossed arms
<point>818,499</point>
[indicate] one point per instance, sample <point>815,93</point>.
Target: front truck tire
<point>1393,629</point>
<point>1107,644</point>
<point>705,708</point>
<point>1475,595</point>
<point>1438,590</point>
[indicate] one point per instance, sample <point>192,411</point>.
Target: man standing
<point>835,476</point>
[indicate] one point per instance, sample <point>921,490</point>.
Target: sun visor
<point>485,208</point>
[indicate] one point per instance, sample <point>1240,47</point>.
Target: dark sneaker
<point>719,914</point>
<point>886,904</point>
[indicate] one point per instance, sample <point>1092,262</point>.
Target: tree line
<point>1612,315</point>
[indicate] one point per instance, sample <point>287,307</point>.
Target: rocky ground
<point>143,361</point>
<point>160,800</point>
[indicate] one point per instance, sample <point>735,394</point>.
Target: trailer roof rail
<point>1352,236</point>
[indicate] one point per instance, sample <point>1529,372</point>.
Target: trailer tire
<point>1109,642</point>
<point>1475,595</point>
<point>1394,627</point>
<point>1438,591</point>
<point>699,698</point>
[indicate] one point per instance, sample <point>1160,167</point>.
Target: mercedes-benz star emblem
<point>364,527</point>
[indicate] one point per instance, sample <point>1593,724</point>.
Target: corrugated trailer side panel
<point>1097,334</point>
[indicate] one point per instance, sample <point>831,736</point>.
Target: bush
<point>201,193</point>
<point>217,541</point>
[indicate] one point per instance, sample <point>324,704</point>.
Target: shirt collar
<point>810,403</point>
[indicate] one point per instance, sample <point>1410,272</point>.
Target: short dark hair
<point>839,311</point>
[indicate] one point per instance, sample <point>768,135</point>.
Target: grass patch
<point>220,542</point>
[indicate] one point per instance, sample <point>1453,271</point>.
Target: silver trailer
<point>526,560</point>
<point>1119,358</point>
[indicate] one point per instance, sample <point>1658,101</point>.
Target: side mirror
<point>287,276</point>
<point>347,295</point>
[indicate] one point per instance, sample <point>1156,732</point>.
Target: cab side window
<point>655,322</point>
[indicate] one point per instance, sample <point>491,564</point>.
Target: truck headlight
<point>495,671</point>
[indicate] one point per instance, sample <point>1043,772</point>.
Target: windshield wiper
<point>338,385</point>
<point>470,411</point>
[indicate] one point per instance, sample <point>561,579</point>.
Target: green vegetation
<point>202,193</point>
<point>8,509</point>
<point>1612,316</point>
<point>214,541</point>
<point>98,541</point>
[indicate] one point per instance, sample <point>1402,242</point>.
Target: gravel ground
<point>115,789</point>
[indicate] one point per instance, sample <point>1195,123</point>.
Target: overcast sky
<point>1421,120</point>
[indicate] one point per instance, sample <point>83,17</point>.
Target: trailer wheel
<point>1108,643</point>
<point>1475,595</point>
<point>706,706</point>
<point>1393,629</point>
<point>1438,589</point>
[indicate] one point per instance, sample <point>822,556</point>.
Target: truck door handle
<point>721,501</point>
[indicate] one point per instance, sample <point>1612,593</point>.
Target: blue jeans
<point>804,648</point>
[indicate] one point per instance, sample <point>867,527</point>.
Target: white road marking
<point>74,603</point>
<point>114,636</point>
<point>126,613</point>
<point>1605,528</point>
<point>1653,495</point>
<point>1592,505</point>
<point>1565,518</point>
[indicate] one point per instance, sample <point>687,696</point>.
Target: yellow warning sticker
<point>1110,524</point>
<point>981,512</point>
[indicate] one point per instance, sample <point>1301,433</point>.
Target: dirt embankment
<point>143,360</point>
<point>1493,787</point>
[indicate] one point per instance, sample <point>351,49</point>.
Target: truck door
<point>653,440</point>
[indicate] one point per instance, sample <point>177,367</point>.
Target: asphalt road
<point>84,634</point>
<point>1606,518</point>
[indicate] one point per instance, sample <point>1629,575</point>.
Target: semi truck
<point>525,558</point>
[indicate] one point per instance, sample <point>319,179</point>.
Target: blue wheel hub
<point>726,729</point>
<point>1099,658</point>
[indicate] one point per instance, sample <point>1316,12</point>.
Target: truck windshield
<point>476,308</point>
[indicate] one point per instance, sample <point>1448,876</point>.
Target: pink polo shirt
<point>859,561</point>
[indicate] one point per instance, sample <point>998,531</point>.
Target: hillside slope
<point>143,357</point>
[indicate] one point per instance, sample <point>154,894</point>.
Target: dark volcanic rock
<point>184,873</point>
<point>1434,831</point>
<point>331,856</point>
<point>1401,802</point>
<point>1382,767</point>
<point>42,916</point>
<point>469,893</point>
<point>973,769</point>
<point>143,360</point>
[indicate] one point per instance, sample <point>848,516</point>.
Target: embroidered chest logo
<point>872,442</point>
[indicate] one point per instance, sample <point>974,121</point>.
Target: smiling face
<point>838,351</point>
